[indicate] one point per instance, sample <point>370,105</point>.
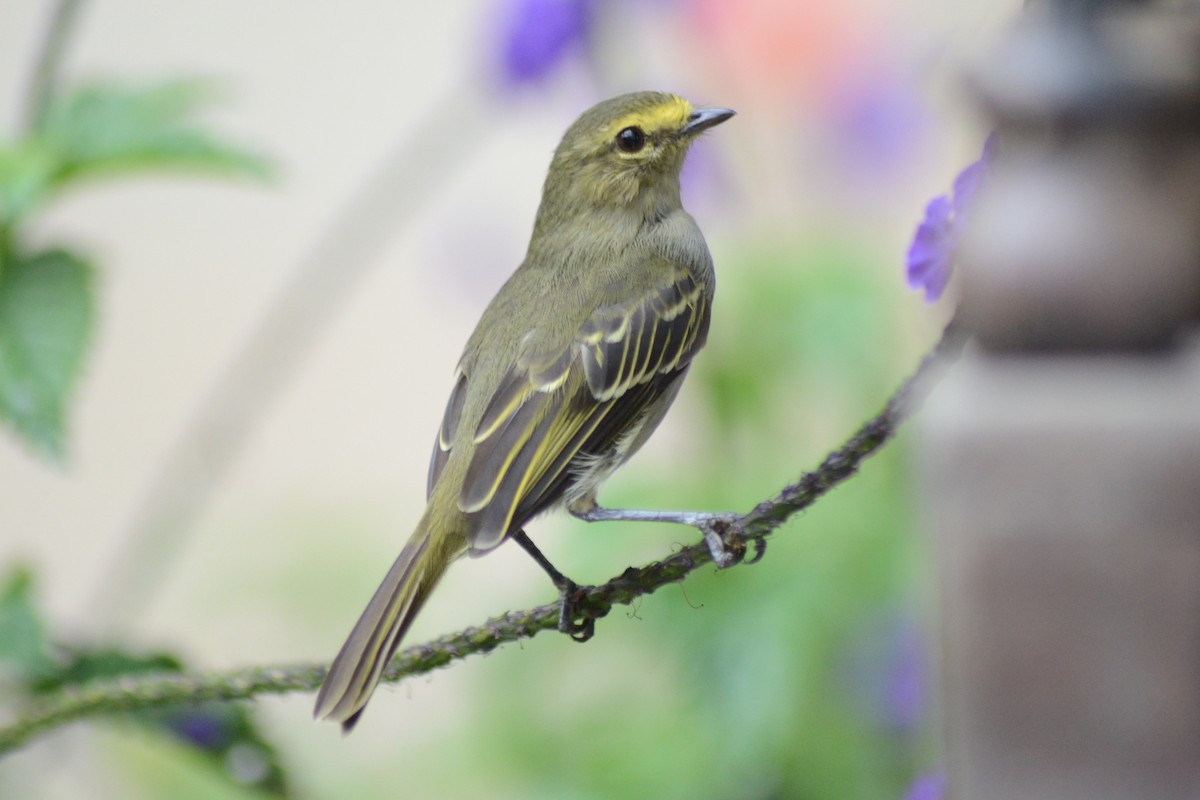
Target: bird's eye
<point>631,140</point>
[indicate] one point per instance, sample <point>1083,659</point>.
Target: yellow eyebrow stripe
<point>670,115</point>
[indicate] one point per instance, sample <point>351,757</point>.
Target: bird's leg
<point>568,593</point>
<point>721,531</point>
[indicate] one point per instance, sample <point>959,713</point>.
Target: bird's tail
<point>359,664</point>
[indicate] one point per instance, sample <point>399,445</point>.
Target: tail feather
<point>358,666</point>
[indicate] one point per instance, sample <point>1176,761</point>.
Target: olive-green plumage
<point>569,370</point>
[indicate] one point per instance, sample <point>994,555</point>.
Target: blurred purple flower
<point>968,181</point>
<point>888,672</point>
<point>201,730</point>
<point>704,180</point>
<point>904,694</point>
<point>539,34</point>
<point>879,123</point>
<point>930,786</point>
<point>931,255</point>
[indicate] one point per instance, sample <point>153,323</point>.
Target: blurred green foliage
<point>23,651</point>
<point>47,307</point>
<point>224,735</point>
<point>46,298</point>
<point>762,704</point>
<point>45,318</point>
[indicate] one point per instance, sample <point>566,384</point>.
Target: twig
<point>139,692</point>
<point>45,73</point>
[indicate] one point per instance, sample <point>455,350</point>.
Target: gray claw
<point>723,537</point>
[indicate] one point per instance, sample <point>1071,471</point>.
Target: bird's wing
<point>447,431</point>
<point>554,406</point>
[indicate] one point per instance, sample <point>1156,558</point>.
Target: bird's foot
<point>726,541</point>
<point>572,619</point>
<point>722,531</point>
<point>576,622</point>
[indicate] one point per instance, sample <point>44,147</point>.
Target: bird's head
<point>627,151</point>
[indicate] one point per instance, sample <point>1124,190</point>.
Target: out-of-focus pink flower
<point>786,48</point>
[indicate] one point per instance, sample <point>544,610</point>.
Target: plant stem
<point>44,86</point>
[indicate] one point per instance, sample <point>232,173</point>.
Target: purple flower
<point>905,687</point>
<point>887,671</point>
<point>879,124</point>
<point>968,181</point>
<point>931,255</point>
<point>539,34</point>
<point>930,786</point>
<point>204,731</point>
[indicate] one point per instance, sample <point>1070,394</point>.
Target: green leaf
<point>80,666</point>
<point>107,129</point>
<point>23,647</point>
<point>45,321</point>
<point>26,175</point>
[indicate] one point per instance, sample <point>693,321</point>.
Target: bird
<point>571,367</point>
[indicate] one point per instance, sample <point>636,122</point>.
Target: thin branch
<point>45,73</point>
<point>132,693</point>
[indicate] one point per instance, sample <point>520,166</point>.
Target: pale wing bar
<point>622,347</point>
<point>543,416</point>
<point>449,427</point>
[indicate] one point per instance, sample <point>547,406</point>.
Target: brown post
<point>1061,457</point>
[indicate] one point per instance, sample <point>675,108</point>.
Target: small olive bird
<point>570,369</point>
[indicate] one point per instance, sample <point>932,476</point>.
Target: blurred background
<point>805,676</point>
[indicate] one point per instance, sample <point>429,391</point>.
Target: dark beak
<point>704,118</point>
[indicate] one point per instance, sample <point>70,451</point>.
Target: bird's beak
<point>704,118</point>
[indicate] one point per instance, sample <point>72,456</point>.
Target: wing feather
<point>495,454</point>
<point>575,402</point>
<point>605,426</point>
<point>447,431</point>
<point>513,391</point>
